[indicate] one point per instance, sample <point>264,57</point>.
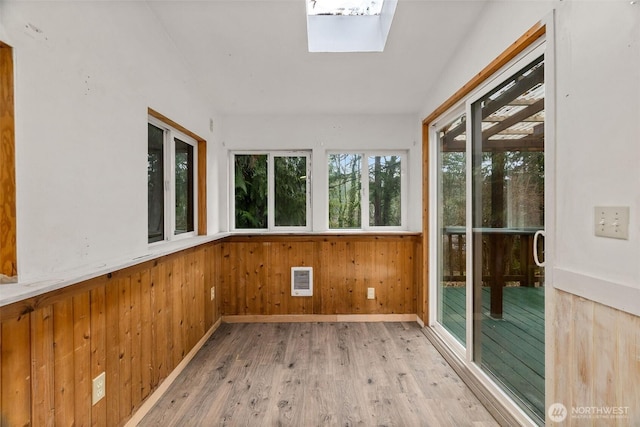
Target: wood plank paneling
<point>43,359</point>
<point>177,321</point>
<point>63,368</point>
<point>255,274</point>
<point>596,362</point>
<point>200,294</point>
<point>98,347</point>
<point>112,364</point>
<point>581,370</point>
<point>136,339</point>
<point>146,327</point>
<point>628,361</point>
<point>16,372</point>
<point>82,384</point>
<point>124,344</point>
<point>163,314</point>
<point>562,327</point>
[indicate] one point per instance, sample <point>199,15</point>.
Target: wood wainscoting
<point>137,324</point>
<point>255,274</point>
<point>595,362</point>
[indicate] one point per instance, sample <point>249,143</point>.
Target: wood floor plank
<point>318,374</point>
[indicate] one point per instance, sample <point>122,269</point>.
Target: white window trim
<point>364,190</point>
<point>271,227</point>
<point>170,134</point>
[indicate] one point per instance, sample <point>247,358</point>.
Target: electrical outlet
<point>371,293</point>
<point>213,293</point>
<point>612,221</point>
<point>99,389</point>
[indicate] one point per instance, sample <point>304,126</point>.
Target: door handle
<point>535,248</point>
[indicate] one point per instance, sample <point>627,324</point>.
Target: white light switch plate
<point>612,221</point>
<point>371,293</point>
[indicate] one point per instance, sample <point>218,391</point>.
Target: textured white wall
<point>598,135</point>
<point>323,134</point>
<point>86,72</point>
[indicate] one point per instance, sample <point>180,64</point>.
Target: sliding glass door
<point>452,219</point>
<point>491,203</point>
<point>508,209</point>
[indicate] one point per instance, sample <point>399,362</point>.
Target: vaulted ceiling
<point>251,57</point>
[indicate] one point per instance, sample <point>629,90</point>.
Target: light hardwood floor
<point>318,374</point>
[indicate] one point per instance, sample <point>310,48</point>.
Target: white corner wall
<point>85,74</point>
<point>597,141</point>
<point>322,134</point>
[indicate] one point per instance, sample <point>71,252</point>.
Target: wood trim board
<point>8,245</point>
<point>304,318</point>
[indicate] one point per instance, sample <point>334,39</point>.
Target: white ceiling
<point>250,56</point>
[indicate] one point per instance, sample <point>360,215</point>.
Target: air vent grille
<point>301,281</point>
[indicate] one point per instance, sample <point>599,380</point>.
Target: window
<point>271,191</point>
<point>379,184</point>
<point>171,177</point>
<point>344,7</point>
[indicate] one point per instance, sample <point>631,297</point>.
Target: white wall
<point>597,131</point>
<point>322,134</point>
<point>85,74</point>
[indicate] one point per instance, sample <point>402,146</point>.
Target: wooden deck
<point>318,374</point>
<point>512,347</point>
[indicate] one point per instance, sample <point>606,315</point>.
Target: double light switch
<point>612,221</point>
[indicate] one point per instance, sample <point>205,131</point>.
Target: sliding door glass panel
<point>508,208</point>
<point>451,225</point>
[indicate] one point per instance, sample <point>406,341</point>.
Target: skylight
<point>344,7</point>
<point>349,25</point>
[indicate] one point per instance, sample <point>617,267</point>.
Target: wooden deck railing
<point>518,264</point>
<point>507,259</point>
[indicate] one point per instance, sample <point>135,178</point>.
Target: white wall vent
<point>301,281</point>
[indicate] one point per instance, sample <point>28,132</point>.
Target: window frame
<point>171,132</point>
<point>364,190</point>
<point>271,154</point>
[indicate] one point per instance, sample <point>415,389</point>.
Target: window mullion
<point>170,200</point>
<point>309,225</point>
<point>364,195</point>
<point>271,204</point>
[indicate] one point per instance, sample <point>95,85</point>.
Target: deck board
<point>318,374</point>
<point>519,367</point>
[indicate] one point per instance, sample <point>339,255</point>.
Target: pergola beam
<point>512,120</point>
<point>530,143</point>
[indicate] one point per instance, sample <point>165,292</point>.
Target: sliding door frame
<point>540,36</point>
